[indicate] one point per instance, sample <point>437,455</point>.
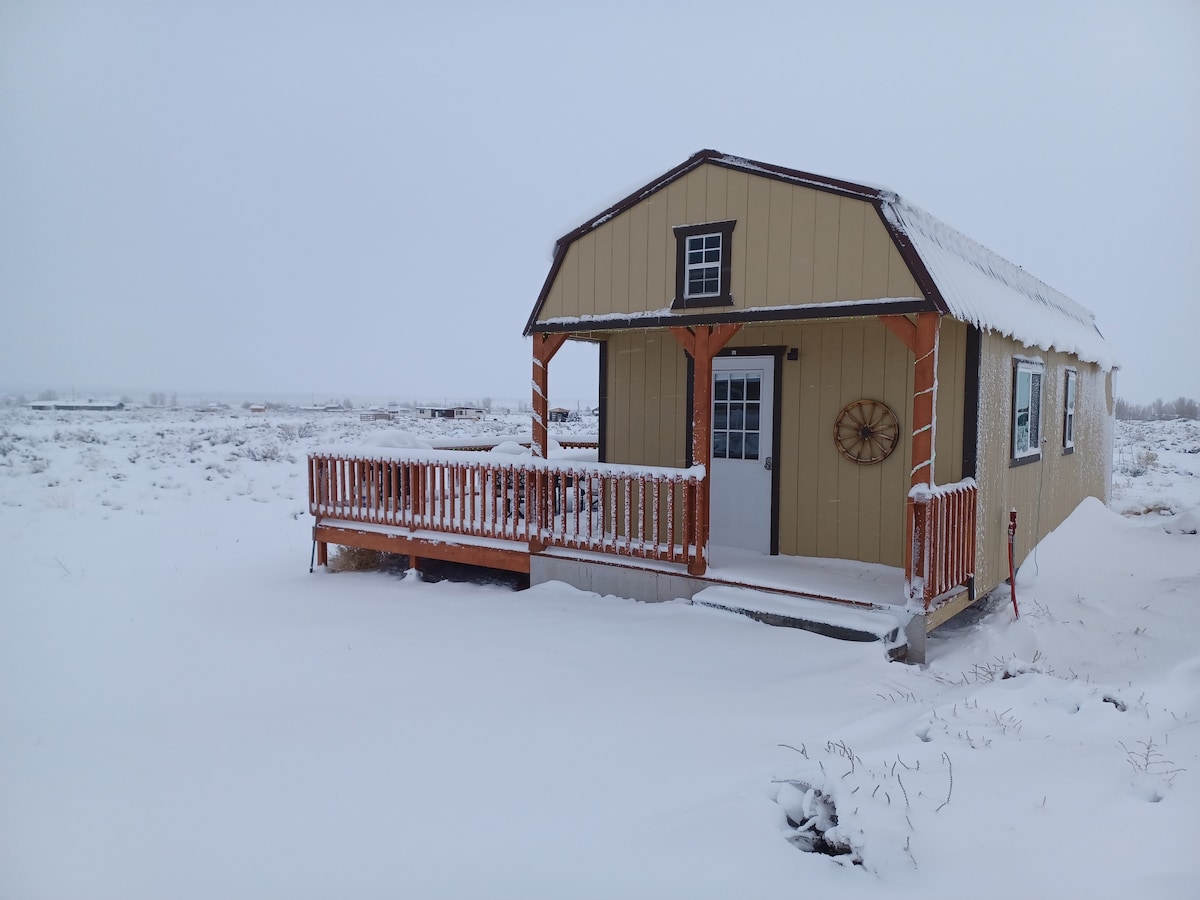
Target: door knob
<point>767,464</point>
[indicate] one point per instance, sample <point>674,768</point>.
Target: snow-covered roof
<point>959,276</point>
<point>986,290</point>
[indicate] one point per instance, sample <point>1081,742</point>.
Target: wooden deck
<point>501,512</point>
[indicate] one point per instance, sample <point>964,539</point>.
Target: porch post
<point>703,343</point>
<point>545,345</point>
<point>924,398</point>
<point>921,338</point>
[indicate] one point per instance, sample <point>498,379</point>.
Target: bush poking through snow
<point>861,813</point>
<point>1149,765</point>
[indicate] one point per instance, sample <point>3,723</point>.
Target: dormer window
<point>702,265</point>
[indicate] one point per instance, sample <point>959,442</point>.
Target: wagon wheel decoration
<point>865,432</point>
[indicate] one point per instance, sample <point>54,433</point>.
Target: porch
<point>631,530</point>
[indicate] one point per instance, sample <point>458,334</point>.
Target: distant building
<point>90,405</point>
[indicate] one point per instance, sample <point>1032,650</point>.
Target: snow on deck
<point>869,583</point>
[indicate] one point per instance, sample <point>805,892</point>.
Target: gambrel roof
<point>957,275</point>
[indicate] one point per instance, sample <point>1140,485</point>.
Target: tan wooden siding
<point>792,245</point>
<point>828,506</point>
<point>647,389</point>
<point>951,402</point>
<point>1045,492</point>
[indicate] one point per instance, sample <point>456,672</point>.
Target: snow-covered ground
<point>185,712</point>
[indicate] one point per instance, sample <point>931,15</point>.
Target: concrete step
<point>835,620</point>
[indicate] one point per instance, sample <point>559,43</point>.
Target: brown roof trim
<point>724,160</point>
<point>912,259</point>
<point>817,311</point>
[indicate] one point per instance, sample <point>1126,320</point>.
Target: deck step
<point>845,623</point>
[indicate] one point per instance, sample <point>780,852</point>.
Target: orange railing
<point>640,511</point>
<point>941,528</point>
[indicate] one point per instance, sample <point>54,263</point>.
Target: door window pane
<point>721,416</point>
<point>718,445</point>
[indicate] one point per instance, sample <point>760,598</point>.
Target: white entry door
<point>742,437</point>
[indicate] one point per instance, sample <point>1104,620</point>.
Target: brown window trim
<point>682,233</point>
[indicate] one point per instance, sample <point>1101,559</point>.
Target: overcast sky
<point>361,199</point>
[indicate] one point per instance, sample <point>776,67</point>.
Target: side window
<point>702,265</point>
<point>1027,411</point>
<point>1069,414</point>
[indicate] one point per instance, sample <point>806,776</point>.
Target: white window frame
<point>690,267</point>
<point>1070,392</point>
<point>1027,441</point>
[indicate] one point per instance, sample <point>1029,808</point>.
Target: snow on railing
<point>643,511</point>
<point>941,527</point>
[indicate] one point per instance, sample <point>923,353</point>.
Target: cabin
<point>559,414</point>
<point>435,412</point>
<point>814,396</point>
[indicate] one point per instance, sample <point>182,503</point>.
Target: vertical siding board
<point>779,244</point>
<point>637,419</point>
<point>900,280</point>
<point>671,403</point>
<point>851,223</point>
<point>870,497</point>
<point>894,477</point>
<point>639,242</point>
<point>737,194</point>
<point>696,182</point>
<point>849,519</point>
<point>757,237</point>
<point>876,246</point>
<point>716,205</point>
<point>677,209</point>
<point>619,400</point>
<point>808,439</point>
<point>660,254</point>
<point>619,273</point>
<point>586,300</point>
<point>829,475</point>
<point>602,299</point>
<point>566,286</point>
<point>825,251</point>
<point>804,231</point>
